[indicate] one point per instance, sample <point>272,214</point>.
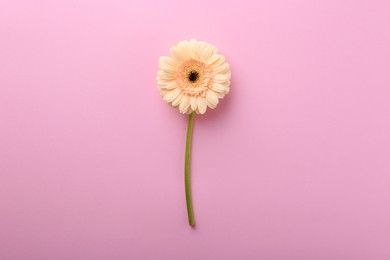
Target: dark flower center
<point>193,76</point>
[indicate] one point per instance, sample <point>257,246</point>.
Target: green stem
<point>187,171</point>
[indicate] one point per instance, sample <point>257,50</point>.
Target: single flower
<point>193,78</point>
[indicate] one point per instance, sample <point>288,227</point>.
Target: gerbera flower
<point>194,77</point>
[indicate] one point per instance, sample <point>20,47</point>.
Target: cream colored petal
<point>225,84</point>
<point>220,78</point>
<point>206,53</point>
<point>180,52</point>
<point>214,49</point>
<point>193,103</point>
<point>218,88</point>
<point>222,69</point>
<point>183,48</point>
<point>213,59</point>
<point>163,92</point>
<point>181,44</point>
<point>166,85</point>
<point>202,107</point>
<point>189,110</point>
<point>184,104</point>
<point>193,49</point>
<point>177,100</point>
<point>219,61</point>
<point>220,94</point>
<point>165,62</point>
<point>200,45</point>
<point>171,95</point>
<point>211,99</point>
<point>228,74</point>
<point>170,70</point>
<point>176,55</point>
<point>164,76</point>
<point>165,79</point>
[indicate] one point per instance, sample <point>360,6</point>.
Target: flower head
<point>194,77</point>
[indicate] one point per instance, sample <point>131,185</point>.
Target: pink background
<point>293,164</point>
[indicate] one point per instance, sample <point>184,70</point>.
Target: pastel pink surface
<point>293,164</point>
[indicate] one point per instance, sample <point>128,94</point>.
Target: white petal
<point>184,104</point>
<point>201,105</point>
<point>219,61</point>
<point>218,88</point>
<point>193,103</point>
<point>165,62</point>
<point>177,100</point>
<point>213,59</point>
<point>219,94</point>
<point>189,110</point>
<point>164,76</point>
<point>171,71</point>
<point>163,92</point>
<point>206,53</point>
<point>222,69</point>
<point>166,85</point>
<point>170,96</point>
<point>227,73</point>
<point>193,48</point>
<point>211,99</point>
<point>184,47</point>
<point>220,78</point>
<point>176,54</point>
